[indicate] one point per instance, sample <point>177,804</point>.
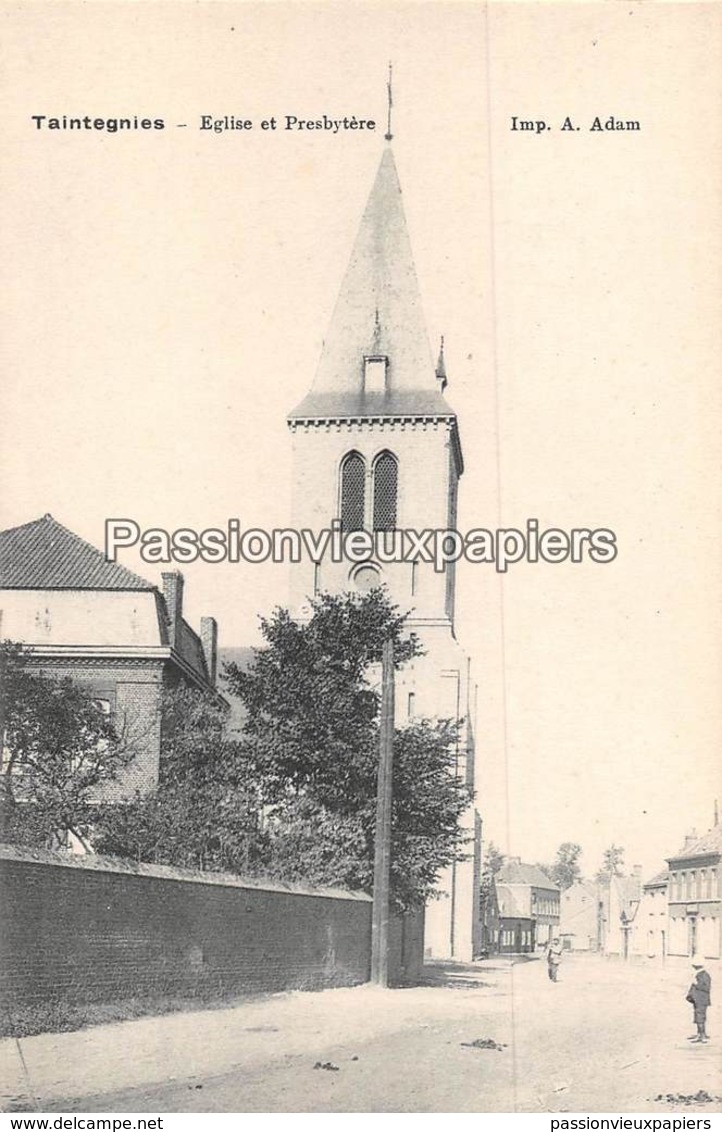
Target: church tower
<point>376,448</point>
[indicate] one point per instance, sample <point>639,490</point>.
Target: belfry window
<point>386,476</point>
<point>353,492</point>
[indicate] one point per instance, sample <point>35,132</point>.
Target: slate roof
<point>379,313</point>
<point>45,555</point>
<point>190,648</point>
<point>402,403</point>
<point>710,842</point>
<point>516,872</point>
<point>508,907</point>
<point>629,891</point>
<point>378,310</point>
<point>658,879</point>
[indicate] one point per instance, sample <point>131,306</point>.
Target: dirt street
<point>492,1037</point>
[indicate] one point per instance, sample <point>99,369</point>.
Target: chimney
<point>690,838</point>
<point>209,640</point>
<point>173,594</point>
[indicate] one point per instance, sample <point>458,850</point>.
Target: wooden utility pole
<point>3,666</point>
<point>382,848</point>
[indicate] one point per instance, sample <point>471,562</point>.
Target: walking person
<point>554,958</point>
<point>699,996</point>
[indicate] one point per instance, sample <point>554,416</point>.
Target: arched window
<point>386,476</point>
<point>353,490</point>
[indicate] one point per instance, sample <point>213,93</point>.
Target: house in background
<point>80,615</point>
<point>490,919</point>
<point>516,927</point>
<point>528,906</point>
<point>650,934</point>
<point>694,895</point>
<point>579,916</point>
<point>620,899</point>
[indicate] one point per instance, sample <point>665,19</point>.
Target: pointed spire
<point>378,310</point>
<point>441,367</point>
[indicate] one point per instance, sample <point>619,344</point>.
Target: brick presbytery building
<point>79,615</point>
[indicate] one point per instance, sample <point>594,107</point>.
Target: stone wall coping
<point>95,863</point>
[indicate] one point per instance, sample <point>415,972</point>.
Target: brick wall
<point>133,688</point>
<point>93,930</point>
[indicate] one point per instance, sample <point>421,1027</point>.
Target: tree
<point>612,864</point>
<point>312,738</point>
<point>59,751</point>
<point>565,870</point>
<point>204,812</point>
<point>492,861</point>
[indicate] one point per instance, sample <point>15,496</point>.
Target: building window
<point>411,705</point>
<point>353,491</point>
<point>366,577</point>
<point>386,476</point>
<point>709,876</point>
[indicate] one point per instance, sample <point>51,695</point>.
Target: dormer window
<point>375,366</point>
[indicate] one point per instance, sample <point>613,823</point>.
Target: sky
<point>166,295</point>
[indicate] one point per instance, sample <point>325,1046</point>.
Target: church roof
<point>406,403</point>
<point>45,555</point>
<point>378,313</point>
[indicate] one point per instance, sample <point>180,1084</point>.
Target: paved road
<point>608,1037</point>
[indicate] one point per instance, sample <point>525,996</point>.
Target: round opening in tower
<point>366,577</point>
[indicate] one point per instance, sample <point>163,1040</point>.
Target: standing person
<point>699,995</point>
<point>554,958</point>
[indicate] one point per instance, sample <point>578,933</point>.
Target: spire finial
<point>441,367</point>
<point>388,135</point>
